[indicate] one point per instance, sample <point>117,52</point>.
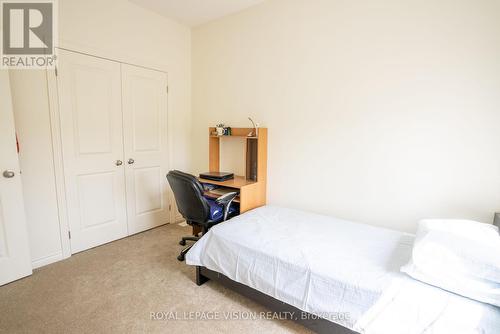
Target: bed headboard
<point>497,219</point>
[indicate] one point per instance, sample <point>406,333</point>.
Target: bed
<point>335,276</point>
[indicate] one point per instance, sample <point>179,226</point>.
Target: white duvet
<point>345,272</point>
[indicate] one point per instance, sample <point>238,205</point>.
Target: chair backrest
<point>188,193</point>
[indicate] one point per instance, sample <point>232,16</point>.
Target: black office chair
<point>195,208</point>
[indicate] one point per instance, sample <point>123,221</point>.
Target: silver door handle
<point>118,162</point>
<point>8,174</point>
<point>130,161</point>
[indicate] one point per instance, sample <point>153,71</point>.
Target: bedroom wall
<point>115,29</point>
<point>381,112</point>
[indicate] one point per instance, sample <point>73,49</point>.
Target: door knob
<point>8,174</point>
<point>118,162</point>
<point>130,161</point>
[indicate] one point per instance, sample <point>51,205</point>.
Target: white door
<point>92,141</point>
<point>15,261</point>
<point>144,103</point>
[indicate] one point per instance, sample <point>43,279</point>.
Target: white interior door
<point>144,95</point>
<point>15,261</point>
<point>89,90</point>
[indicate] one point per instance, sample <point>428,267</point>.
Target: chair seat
<point>217,211</point>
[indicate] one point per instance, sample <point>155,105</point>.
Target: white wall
<point>383,112</point>
<point>115,29</point>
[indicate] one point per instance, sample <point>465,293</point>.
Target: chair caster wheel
<point>182,242</point>
<point>180,258</point>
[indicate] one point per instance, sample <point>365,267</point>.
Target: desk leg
<point>196,230</point>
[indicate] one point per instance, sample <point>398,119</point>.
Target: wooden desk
<point>252,193</point>
<point>237,183</point>
<point>215,195</point>
<point>250,196</point>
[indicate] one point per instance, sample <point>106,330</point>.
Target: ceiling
<point>195,12</point>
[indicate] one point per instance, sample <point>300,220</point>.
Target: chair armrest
<point>226,200</point>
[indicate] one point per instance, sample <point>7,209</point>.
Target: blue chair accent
<point>217,211</point>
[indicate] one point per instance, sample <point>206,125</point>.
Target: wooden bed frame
<point>313,322</point>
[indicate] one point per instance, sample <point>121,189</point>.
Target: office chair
<point>195,208</point>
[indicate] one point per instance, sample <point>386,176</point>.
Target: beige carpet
<point>115,287</point>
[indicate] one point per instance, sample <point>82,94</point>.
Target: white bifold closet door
<point>15,258</point>
<point>144,94</point>
<point>114,139</point>
<point>90,109</point>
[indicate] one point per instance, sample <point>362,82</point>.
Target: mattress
<point>343,271</point>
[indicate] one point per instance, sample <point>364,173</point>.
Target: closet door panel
<point>144,94</point>
<point>15,258</point>
<point>92,141</point>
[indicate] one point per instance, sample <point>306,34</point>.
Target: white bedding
<point>345,272</point>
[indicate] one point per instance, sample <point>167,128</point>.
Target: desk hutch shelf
<point>252,186</point>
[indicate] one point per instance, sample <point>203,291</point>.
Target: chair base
<point>182,255</point>
<point>190,238</point>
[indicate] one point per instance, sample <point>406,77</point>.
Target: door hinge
<point>167,89</point>
<point>56,70</point>
<point>170,207</point>
<point>69,234</point>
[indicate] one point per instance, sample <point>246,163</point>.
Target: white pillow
<point>460,256</point>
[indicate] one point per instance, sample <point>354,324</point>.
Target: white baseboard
<point>46,260</point>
